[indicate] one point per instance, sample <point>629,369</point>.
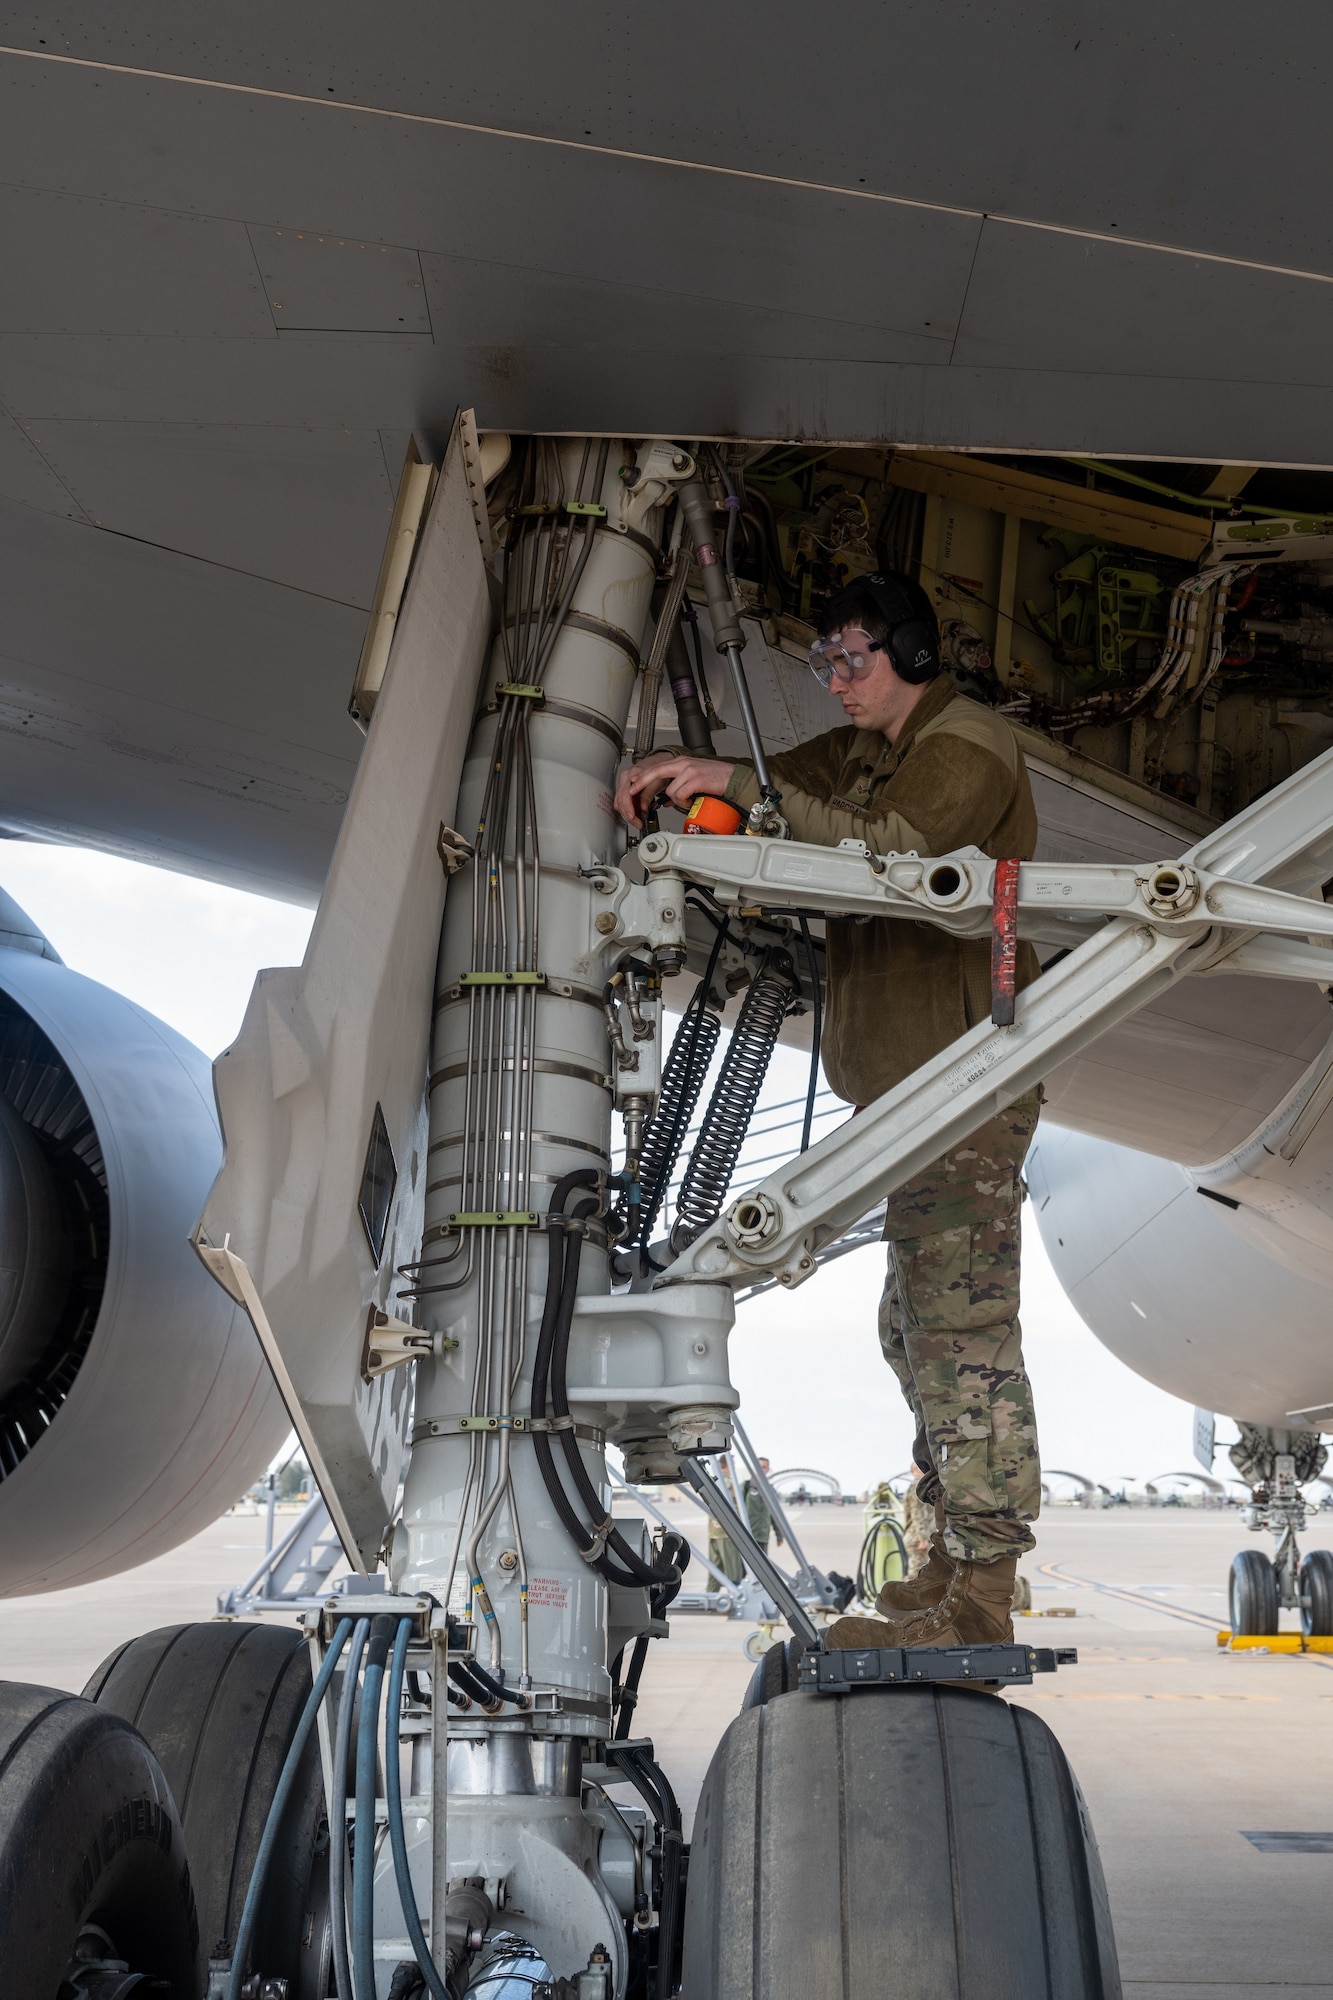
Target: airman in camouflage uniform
<point>921,769</point>
<point>948,1325</point>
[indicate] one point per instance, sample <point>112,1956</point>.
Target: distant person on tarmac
<point>919,767</point>
<point>723,1555</point>
<point>756,1509</point>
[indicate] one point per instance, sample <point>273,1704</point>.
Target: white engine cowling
<point>1191,1289</point>
<point>135,1404</point>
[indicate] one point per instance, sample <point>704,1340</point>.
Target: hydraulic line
<point>549,547</point>
<point>731,1106</point>
<point>561,1289</point>
<point>564,1238</point>
<point>473,1679</point>
<point>691,618</point>
<point>669,644</point>
<point>625,1698</point>
<point>363,1855</point>
<point>649,1780</point>
<point>556,1223</point>
<point>342,1747</point>
<point>393,1788</point>
<point>732,503</point>
<point>640,1572</point>
<point>245,1931</point>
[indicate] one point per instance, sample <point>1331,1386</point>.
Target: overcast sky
<point>814,1389</point>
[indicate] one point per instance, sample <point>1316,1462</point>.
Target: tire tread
<point>913,1842</point>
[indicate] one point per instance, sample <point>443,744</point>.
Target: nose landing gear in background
<point>1276,1464</point>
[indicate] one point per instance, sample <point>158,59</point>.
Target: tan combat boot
<point>895,1602</point>
<point>975,1610</point>
<point>859,1634</point>
<point>919,1592</point>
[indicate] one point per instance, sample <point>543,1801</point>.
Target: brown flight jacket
<point>899,991</point>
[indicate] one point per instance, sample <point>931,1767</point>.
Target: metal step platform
<point>911,1666</point>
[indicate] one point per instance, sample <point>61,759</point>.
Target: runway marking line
<point>1197,1618</point>
<point>1057,1694</point>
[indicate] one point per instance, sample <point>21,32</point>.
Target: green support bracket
<point>503,979</point>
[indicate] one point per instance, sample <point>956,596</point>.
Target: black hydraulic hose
<point>816,1031</point>
<point>640,1572</point>
<point>245,1931</point>
<point>675,1550</point>
<point>555,1268</point>
<point>558,1260</point>
<point>474,1680</point>
<point>393,1797</point>
<point>342,1750</point>
<point>622,1758</point>
<point>668,1916</point>
<point>627,1695</point>
<point>650,1781</point>
<point>768,523</point>
<point>732,504</point>
<point>691,618</point>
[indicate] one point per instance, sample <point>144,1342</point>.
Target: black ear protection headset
<point>913,643</point>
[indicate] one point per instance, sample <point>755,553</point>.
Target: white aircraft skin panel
<point>1174,1286</point>
<point>1191,1077</point>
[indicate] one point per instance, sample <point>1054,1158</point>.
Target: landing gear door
<point>322,1095</point>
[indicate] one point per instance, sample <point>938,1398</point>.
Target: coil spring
<point>731,1107</point>
<point>683,1079</point>
<point>683,1075</point>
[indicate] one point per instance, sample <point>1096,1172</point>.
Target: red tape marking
<point>1004,944</point>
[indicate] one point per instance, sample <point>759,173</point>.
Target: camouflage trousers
<point>948,1324</point>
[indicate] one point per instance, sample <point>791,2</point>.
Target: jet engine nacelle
<point>135,1404</point>
<point>1196,1293</point>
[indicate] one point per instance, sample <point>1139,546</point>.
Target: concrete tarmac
<point>1181,1749</point>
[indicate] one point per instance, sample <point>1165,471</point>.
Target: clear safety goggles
<point>831,660</point>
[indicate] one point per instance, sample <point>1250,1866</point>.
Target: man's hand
<point>681,778</point>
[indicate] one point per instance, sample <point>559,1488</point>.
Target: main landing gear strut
<point>418,1795</point>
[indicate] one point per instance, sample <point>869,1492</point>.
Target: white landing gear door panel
<point>322,1095</point>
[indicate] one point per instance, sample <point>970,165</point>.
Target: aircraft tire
<point>922,1840</point>
<point>775,1674</point>
<point>1316,1588</point>
<point>1252,1595</point>
<point>92,1857</point>
<point>219,1703</point>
